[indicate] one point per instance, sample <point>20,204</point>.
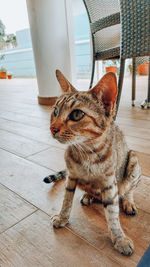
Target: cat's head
<point>78,117</point>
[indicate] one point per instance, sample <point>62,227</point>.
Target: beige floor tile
<point>138,144</point>
<point>142,194</point>
<point>33,242</point>
<point>134,113</point>
<point>144,160</point>
<point>23,243</point>
<point>20,145</point>
<point>25,119</point>
<point>25,178</point>
<point>28,131</point>
<point>12,208</point>
<point>25,109</point>
<point>31,132</point>
<point>89,223</point>
<point>52,158</point>
<point>142,124</point>
<point>136,132</point>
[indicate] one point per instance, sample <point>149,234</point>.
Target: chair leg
<point>120,83</point>
<point>92,75</point>
<point>146,102</point>
<point>148,94</point>
<point>133,80</point>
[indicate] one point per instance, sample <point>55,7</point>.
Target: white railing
<point>16,51</point>
<point>82,42</point>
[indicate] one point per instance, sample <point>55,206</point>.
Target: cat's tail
<point>55,177</point>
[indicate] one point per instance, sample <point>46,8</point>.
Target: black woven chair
<point>135,38</point>
<point>104,18</point>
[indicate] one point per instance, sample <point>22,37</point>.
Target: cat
<point>97,157</point>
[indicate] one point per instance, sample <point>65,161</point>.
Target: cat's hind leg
<point>93,197</point>
<point>129,183</point>
<point>128,204</point>
<point>87,199</point>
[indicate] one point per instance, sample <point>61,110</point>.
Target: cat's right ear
<point>65,85</point>
<point>106,89</point>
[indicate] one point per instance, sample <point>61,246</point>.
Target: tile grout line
<point>99,250</point>
<point>28,160</point>
<point>21,156</point>
<point>130,117</point>
<point>22,113</point>
<point>31,139</point>
<point>26,124</point>
<point>133,136</point>
<point>68,229</point>
<point>1,129</point>
<point>74,233</point>
<point>26,157</point>
<point>142,153</point>
<point>18,195</point>
<point>38,209</point>
<point>19,221</point>
<point>32,161</point>
<point>27,201</point>
<point>50,170</point>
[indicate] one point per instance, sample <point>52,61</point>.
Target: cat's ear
<point>65,85</point>
<point>106,88</point>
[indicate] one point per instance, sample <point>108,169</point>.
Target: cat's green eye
<point>76,115</point>
<point>55,112</point>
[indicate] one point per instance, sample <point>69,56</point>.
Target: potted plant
<point>111,66</point>
<point>3,73</point>
<point>143,68</point>
<point>9,75</point>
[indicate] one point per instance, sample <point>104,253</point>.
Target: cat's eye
<point>76,115</point>
<point>55,112</point>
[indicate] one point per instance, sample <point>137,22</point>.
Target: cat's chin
<point>75,141</point>
<point>62,141</point>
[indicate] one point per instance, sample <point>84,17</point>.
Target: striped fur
<point>55,177</point>
<point>97,157</point>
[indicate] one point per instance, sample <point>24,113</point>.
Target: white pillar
<point>51,43</point>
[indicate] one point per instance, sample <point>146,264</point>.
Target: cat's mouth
<point>62,139</point>
<point>68,139</point>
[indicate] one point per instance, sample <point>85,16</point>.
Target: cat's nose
<point>54,130</point>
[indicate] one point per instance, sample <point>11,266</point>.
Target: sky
<point>13,14</point>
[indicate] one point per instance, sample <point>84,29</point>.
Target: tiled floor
<point>28,154</point>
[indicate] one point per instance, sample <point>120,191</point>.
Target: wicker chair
<point>135,37</point>
<point>104,18</point>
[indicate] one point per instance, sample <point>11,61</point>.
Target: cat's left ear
<point>106,88</point>
<point>65,85</point>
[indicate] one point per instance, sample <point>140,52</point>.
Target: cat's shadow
<point>57,187</point>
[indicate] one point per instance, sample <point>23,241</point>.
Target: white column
<point>51,42</point>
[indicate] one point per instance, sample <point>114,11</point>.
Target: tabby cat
<point>97,157</point>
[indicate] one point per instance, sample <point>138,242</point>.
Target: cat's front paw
<point>125,246</point>
<point>58,221</point>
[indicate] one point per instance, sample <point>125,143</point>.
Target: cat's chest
<point>89,166</point>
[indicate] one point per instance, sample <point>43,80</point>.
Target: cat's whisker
<point>79,150</point>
